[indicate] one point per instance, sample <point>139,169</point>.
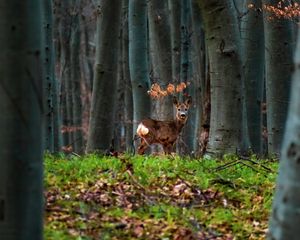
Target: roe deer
<point>163,132</point>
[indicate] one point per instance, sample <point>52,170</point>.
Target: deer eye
<point>186,109</point>
<point>178,109</point>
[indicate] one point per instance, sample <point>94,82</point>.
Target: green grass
<point>94,197</point>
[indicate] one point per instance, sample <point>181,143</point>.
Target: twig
<point>247,165</point>
<point>252,161</point>
<point>226,165</point>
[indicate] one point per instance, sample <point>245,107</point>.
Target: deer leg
<point>168,148</point>
<point>143,146</point>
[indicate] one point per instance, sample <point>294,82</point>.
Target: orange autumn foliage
<point>157,92</point>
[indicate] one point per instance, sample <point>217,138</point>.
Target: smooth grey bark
<point>196,78</point>
<point>53,119</point>
<point>223,44</point>
<point>105,77</point>
<point>86,53</point>
<point>65,31</point>
<point>138,59</point>
<point>278,68</point>
<point>241,9</point>
<point>49,75</point>
<point>185,40</point>
<point>21,120</point>
<point>253,65</point>
<point>184,141</point>
<point>159,36</point>
<point>285,221</point>
<point>175,19</point>
<point>128,111</point>
<point>76,80</point>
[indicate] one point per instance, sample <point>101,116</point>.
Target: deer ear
<point>188,102</point>
<point>175,101</point>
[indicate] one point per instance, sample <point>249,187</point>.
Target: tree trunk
<point>195,78</point>
<point>159,35</point>
<point>49,75</point>
<point>76,80</point>
<point>253,64</point>
<point>175,19</point>
<point>285,221</point>
<point>185,40</point>
<point>223,44</point>
<point>128,111</point>
<point>65,71</point>
<point>21,120</point>
<point>104,88</point>
<point>278,66</point>
<point>138,59</point>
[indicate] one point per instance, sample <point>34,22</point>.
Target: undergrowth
<point>96,197</point>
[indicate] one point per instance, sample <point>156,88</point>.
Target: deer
<point>152,131</point>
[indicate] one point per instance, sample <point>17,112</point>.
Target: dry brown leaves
<point>62,207</point>
<point>157,92</point>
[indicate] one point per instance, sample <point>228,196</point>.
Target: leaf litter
<point>116,205</point>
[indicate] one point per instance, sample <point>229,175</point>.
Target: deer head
<point>182,108</point>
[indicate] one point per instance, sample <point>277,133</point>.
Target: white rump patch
<point>142,130</point>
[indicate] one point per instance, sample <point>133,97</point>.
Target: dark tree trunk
<point>138,59</point>
<point>76,80</point>
<point>253,64</point>
<point>65,71</point>
<point>52,131</point>
<point>175,19</point>
<point>128,111</point>
<point>104,89</point>
<point>159,34</point>
<point>21,120</point>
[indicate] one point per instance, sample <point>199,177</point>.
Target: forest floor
<point>94,197</point>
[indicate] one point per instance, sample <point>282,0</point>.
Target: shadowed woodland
<point>108,59</point>
<point>203,93</point>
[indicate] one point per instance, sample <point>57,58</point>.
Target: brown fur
<point>163,132</point>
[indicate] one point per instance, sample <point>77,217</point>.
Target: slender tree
<point>253,65</point>
<point>128,111</point>
<point>159,36</point>
<point>285,221</point>
<point>223,44</point>
<point>65,31</point>
<point>278,67</point>
<point>185,39</point>
<point>138,59</point>
<point>196,79</point>
<point>105,76</point>
<point>76,79</point>
<point>49,74</point>
<point>175,19</point>
<point>21,119</point>
<point>52,132</point>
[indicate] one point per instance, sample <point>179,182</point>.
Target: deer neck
<point>179,124</point>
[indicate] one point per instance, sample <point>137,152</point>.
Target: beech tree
<point>77,140</point>
<point>105,77</point>
<point>253,65</point>
<point>138,59</point>
<point>159,36</point>
<point>284,223</point>
<point>52,125</point>
<point>279,48</point>
<point>128,111</point>
<point>21,119</point>
<point>224,50</point>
